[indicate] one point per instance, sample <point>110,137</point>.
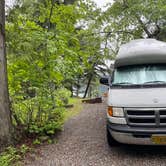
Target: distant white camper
<point>137,94</point>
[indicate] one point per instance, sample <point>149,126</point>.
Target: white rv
<point>137,94</point>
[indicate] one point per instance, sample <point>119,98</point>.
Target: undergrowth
<point>12,156</point>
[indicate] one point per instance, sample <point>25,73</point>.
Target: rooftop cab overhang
<point>141,51</point>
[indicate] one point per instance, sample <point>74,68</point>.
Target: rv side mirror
<point>104,81</point>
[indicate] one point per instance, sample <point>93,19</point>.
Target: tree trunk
<point>78,87</point>
<point>87,87</point>
<point>5,115</point>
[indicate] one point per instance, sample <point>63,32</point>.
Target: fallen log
<point>92,101</point>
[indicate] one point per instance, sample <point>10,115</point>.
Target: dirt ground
<point>83,143</point>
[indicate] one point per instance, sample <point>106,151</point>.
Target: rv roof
<point>141,51</point>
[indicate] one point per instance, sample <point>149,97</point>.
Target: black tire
<point>110,140</point>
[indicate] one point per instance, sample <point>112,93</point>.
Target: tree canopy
<point>125,20</point>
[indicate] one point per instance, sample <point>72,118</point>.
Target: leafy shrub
<point>36,142</point>
<point>42,114</point>
<point>9,156</point>
<point>12,155</point>
<point>49,124</point>
<point>63,96</point>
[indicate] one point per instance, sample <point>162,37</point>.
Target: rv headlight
<point>115,111</point>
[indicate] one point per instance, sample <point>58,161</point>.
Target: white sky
<point>9,2</point>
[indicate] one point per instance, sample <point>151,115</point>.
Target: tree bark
<point>5,115</point>
<point>87,87</point>
<point>78,87</point>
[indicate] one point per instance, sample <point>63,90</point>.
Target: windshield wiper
<point>123,83</point>
<point>153,82</point>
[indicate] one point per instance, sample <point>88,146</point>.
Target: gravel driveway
<point>83,143</point>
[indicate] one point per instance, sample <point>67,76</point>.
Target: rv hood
<point>139,97</point>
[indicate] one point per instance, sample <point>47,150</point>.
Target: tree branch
<point>110,32</point>
<point>51,11</point>
<point>144,27</point>
<point>126,6</point>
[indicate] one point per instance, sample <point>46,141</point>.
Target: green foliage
<point>11,156</point>
<point>36,142</point>
<point>42,114</point>
<point>42,49</point>
<point>132,19</point>
<point>49,53</point>
<point>63,96</point>
<point>23,149</point>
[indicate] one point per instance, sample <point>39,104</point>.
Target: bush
<point>63,96</point>
<point>42,114</point>
<point>12,155</point>
<point>9,156</point>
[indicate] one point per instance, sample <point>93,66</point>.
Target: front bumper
<point>134,135</point>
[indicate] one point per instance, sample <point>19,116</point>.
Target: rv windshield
<point>140,75</point>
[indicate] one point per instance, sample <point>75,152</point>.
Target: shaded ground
<point>83,143</point>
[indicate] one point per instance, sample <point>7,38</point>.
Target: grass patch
<point>77,107</point>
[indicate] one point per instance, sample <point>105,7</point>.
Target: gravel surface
<point>83,143</point>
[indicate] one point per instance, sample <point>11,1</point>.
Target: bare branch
<point>144,27</point>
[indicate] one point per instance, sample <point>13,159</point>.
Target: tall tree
<point>5,117</point>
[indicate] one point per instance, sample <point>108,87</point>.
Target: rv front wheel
<point>110,140</point>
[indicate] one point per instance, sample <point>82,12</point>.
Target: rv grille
<point>146,117</point>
